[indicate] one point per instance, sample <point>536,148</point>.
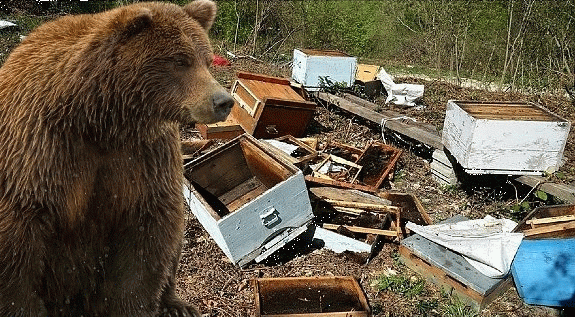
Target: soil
<point>207,278</point>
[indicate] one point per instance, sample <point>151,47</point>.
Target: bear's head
<point>162,51</point>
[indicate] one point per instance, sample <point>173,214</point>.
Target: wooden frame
<point>312,153</point>
<point>372,179</point>
<point>278,297</point>
<point>548,222</point>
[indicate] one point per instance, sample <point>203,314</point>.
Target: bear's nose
<point>223,102</point>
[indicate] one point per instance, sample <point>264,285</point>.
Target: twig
<point>532,189</point>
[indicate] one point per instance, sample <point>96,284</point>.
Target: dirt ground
<point>206,277</point>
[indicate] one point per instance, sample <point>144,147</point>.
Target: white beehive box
<point>310,65</point>
<point>251,202</point>
<point>515,138</point>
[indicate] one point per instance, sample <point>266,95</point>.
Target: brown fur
<point>91,211</point>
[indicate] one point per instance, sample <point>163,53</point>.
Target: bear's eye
<point>181,62</point>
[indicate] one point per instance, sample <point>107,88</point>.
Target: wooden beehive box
<point>334,296</point>
<point>309,65</point>
<point>250,201</point>
<point>267,107</point>
<point>504,137</point>
<point>451,271</point>
<point>366,76</point>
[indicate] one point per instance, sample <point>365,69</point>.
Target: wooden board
<point>349,195</point>
<point>561,191</point>
<point>228,129</point>
<point>544,271</point>
<point>450,270</point>
<point>337,296</point>
<point>408,128</point>
<point>411,207</point>
<point>508,138</point>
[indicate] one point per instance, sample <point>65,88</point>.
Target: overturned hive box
<point>310,296</point>
<point>250,201</point>
<point>267,107</point>
<point>516,138</point>
<point>311,65</point>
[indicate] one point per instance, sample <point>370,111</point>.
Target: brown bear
<point>91,207</point>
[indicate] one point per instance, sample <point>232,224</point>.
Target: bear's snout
<point>222,103</point>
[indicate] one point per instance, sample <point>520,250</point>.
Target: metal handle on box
<point>271,129</point>
<point>270,217</point>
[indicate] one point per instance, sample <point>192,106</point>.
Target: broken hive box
<point>267,107</point>
<point>548,222</point>
<point>451,271</point>
<point>411,209</point>
<point>517,138</point>
<point>250,201</point>
<point>300,154</point>
<point>336,296</point>
<point>365,170</point>
<point>311,65</point>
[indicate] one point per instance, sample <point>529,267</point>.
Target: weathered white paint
<point>243,233</point>
<point>307,69</point>
<point>489,146</point>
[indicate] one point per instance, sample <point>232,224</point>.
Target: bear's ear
<point>203,11</point>
<point>131,21</point>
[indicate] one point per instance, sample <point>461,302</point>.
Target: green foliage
<point>456,308</point>
<point>541,195</point>
<point>512,43</point>
<point>399,284</point>
<point>423,307</point>
<point>329,86</point>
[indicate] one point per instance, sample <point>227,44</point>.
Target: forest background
<point>526,45</point>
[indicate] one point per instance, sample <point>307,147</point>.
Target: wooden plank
<point>561,191</point>
<point>408,129</point>
<point>549,220</point>
<point>552,229</point>
<point>334,183</point>
<point>243,189</point>
<point>389,233</point>
<point>347,195</point>
<point>370,207</point>
<point>260,77</point>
